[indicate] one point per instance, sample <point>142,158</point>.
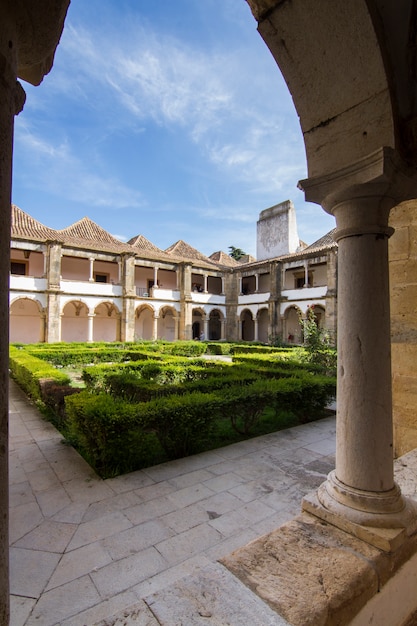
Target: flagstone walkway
<point>85,549</point>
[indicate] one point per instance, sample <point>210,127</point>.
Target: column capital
<point>381,174</point>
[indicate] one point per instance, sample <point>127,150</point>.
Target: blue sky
<point>166,119</point>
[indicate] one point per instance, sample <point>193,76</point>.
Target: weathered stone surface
<point>403,291</point>
<point>309,572</point>
<point>213,598</point>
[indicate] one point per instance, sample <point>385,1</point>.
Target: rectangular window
<point>101,278</point>
<point>18,267</point>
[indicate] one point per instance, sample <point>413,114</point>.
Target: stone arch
<point>198,317</point>
<point>333,57</point>
<point>292,330</point>
<point>144,322</point>
<point>216,319</point>
<point>167,323</point>
<point>74,321</point>
<point>263,324</point>
<point>247,325</point>
<point>27,322</point>
<point>106,322</point>
<point>320,315</point>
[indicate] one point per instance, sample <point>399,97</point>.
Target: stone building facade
<point>82,284</point>
<point>350,69</point>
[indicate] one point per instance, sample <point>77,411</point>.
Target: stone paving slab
<point>84,549</point>
<point>214,598</point>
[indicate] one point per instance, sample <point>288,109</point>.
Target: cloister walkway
<point>85,549</point>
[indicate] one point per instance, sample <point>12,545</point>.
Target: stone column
<point>205,278</point>
<point>185,326</point>
<point>306,273</point>
<point>127,323</point>
<point>12,98</point>
<point>256,282</point>
<point>331,295</point>
<point>255,328</point>
<point>361,492</point>
<point>206,326</point>
<point>91,276</point>
<point>53,307</point>
<point>155,327</point>
<point>90,327</point>
<point>155,277</point>
<point>222,288</point>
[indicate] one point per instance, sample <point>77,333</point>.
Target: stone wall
<point>403,287</point>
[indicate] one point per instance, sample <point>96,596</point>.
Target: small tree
<point>236,253</point>
<point>317,342</point>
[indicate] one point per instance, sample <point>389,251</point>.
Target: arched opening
<point>166,324</point>
<point>292,328</point>
<point>26,321</point>
<point>215,325</point>
<point>106,322</point>
<point>197,323</point>
<point>74,322</point>
<point>247,326</point>
<point>319,315</point>
<point>263,322</point>
<point>144,320</point>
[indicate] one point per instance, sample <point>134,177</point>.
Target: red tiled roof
<point>147,249</point>
<point>86,233</point>
<point>26,227</point>
<point>186,252</point>
<point>223,259</point>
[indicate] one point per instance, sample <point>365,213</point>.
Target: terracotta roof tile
<point>223,259</point>
<point>26,227</point>
<point>144,247</point>
<point>184,251</point>
<point>86,233</point>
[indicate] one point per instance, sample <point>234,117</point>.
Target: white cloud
<point>55,169</point>
<point>243,128</point>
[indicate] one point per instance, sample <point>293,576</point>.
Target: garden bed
<point>156,401</point>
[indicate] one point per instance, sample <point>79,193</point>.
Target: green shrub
<point>110,433</point>
<point>183,424</point>
<point>30,372</point>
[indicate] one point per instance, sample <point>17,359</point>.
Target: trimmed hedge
<point>116,435</point>
<point>109,434</point>
<point>31,373</point>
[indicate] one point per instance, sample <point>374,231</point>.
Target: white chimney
<point>277,232</point>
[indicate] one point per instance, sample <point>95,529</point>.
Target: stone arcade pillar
<point>360,496</point>
<point>12,98</point>
<point>29,35</point>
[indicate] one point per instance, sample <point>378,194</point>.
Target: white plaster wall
<point>106,267</point>
<point>73,268</point>
<point>144,325</point>
<point>73,327</point>
<point>142,275</point>
<point>26,323</point>
<point>167,279</point>
<point>87,288</point>
<point>277,232</point>
<point>396,601</point>
<point>37,296</point>
<point>105,327</point>
<point>166,327</point>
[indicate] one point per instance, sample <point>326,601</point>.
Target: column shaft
<point>11,102</point>
<point>364,456</point>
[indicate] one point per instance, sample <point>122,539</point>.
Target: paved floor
<point>84,549</point>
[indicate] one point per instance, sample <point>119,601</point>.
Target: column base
<point>384,520</point>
